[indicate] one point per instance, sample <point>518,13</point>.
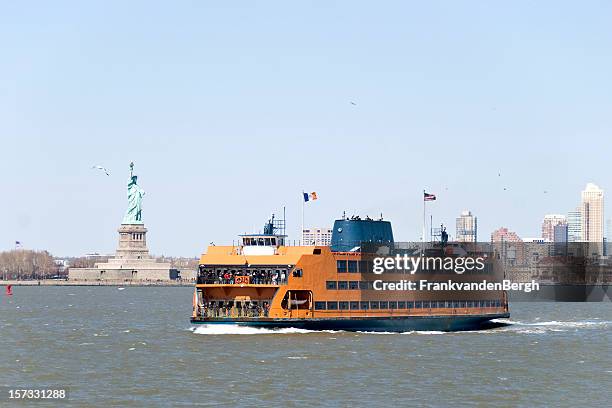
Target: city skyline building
<point>593,218</point>
<point>574,225</point>
<point>509,245</point>
<point>560,233</point>
<point>549,223</point>
<point>466,227</point>
<point>317,236</point>
<point>503,234</point>
<point>560,238</point>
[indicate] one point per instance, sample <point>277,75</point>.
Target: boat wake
<point>538,327</point>
<point>497,326</point>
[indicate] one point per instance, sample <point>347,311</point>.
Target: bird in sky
<point>98,167</point>
<point>353,103</point>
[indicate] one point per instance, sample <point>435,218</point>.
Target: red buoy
<point>9,290</point>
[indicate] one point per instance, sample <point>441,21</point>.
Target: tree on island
<point>23,264</point>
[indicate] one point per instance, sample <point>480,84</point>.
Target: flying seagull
<point>353,103</point>
<point>101,168</point>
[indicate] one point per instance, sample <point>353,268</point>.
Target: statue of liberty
<point>133,215</point>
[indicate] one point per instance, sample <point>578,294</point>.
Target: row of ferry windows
<point>343,266</point>
<point>260,241</point>
<point>425,304</point>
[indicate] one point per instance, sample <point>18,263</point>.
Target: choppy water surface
<point>136,347</point>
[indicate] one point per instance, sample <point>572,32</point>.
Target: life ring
<point>238,279</point>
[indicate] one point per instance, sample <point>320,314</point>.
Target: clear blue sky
<point>229,109</point>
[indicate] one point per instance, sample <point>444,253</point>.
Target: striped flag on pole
<point>429,197</point>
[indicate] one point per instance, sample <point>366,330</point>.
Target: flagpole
<point>302,230</point>
<point>423,236</point>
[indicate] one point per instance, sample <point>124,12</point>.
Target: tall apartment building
<point>317,236</point>
<point>466,227</point>
<point>560,233</point>
<point>549,223</point>
<point>560,239</point>
<point>574,225</point>
<point>593,218</point>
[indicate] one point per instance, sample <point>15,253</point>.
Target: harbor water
<point>135,346</point>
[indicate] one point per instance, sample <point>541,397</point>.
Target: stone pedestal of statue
<point>132,242</point>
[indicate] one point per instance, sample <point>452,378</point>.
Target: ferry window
<point>344,305</point>
<point>455,304</point>
<point>260,241</point>
<point>297,273</point>
<point>273,241</point>
<point>374,305</point>
<point>418,305</point>
<point>363,267</point>
<point>330,285</point>
<point>401,305</point>
<point>332,305</point>
<point>353,285</point>
<point>462,303</point>
<point>425,304</point>
<point>267,241</point>
<point>497,303</point>
<point>392,305</point>
<point>316,251</point>
<point>470,303</point>
<point>352,266</point>
<point>343,285</point>
<point>319,305</point>
<point>409,305</point>
<point>384,305</point>
<point>354,305</point>
<point>364,305</point>
<point>341,266</point>
<point>363,285</point>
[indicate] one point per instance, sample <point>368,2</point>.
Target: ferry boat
<point>265,282</point>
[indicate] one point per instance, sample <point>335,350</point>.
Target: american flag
<point>429,197</point>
